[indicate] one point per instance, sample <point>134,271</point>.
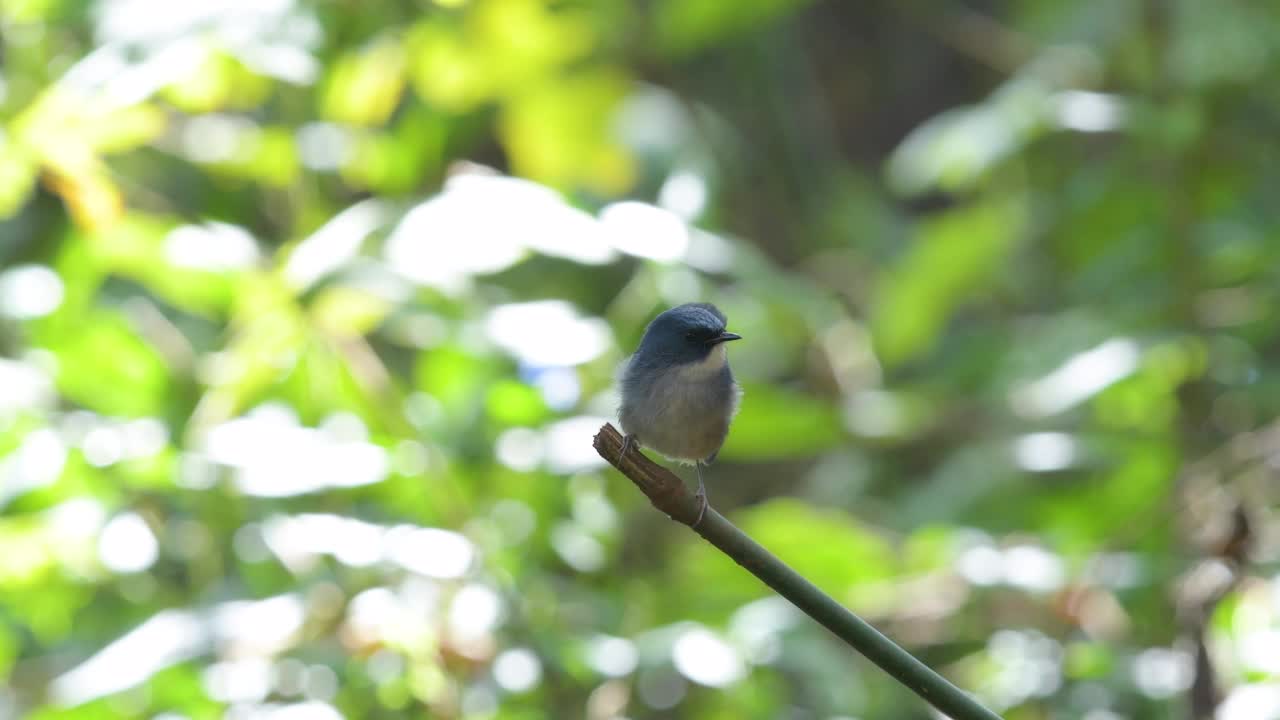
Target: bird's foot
<point>628,442</point>
<point>701,497</point>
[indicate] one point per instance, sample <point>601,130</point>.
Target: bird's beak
<point>725,337</point>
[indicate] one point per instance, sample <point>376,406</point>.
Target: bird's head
<point>685,334</point>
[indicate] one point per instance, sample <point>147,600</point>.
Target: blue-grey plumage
<point>678,393</point>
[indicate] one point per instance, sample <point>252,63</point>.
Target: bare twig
<point>669,494</point>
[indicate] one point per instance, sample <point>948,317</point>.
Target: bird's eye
<point>691,335</point>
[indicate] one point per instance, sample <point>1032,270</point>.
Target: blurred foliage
<point>308,312</point>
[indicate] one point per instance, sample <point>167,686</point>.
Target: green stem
<point>669,494</point>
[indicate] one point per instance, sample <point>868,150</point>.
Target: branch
<point>669,494</point>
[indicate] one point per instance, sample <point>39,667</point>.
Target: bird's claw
<point>701,497</point>
<point>627,442</point>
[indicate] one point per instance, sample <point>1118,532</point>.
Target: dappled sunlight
<point>1088,111</point>
<point>644,230</point>
<point>430,551</point>
<point>685,194</point>
<point>1163,673</point>
<point>217,138</point>
<point>547,333</point>
<point>706,659</point>
<point>273,456</point>
<point>612,656</point>
<point>29,388</point>
<point>1251,701</point>
<point>876,413</point>
<point>482,224</point>
<point>757,629</point>
<point>517,670</point>
<point>1044,451</point>
<point>127,545</point>
<point>577,547</point>
<point>312,710</point>
<point>29,291</point>
<point>258,627</point>
<point>309,313</point>
<point>1026,664</point>
<point>957,148</point>
<point>299,540</point>
<point>273,37</point>
<point>474,613</point>
<point>1080,377</point>
<point>36,463</point>
<point>212,246</point>
<point>335,244</point>
<point>565,452</point>
<point>238,681</point>
<point>1023,566</point>
<point>169,637</point>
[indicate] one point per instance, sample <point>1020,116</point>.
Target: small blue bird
<point>678,393</point>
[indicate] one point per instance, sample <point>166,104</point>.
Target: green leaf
<point>106,366</point>
<point>510,402</point>
<point>17,179</point>
<point>775,423</point>
<point>832,549</point>
<point>1089,660</point>
<point>268,155</point>
<point>952,256</point>
<point>451,376</point>
<point>686,26</point>
<point>562,133</point>
<point>1081,516</point>
<point>364,88</point>
<point>138,247</point>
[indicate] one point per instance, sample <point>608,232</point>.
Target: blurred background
<point>309,311</point>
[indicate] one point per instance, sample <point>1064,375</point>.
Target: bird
<point>678,393</point>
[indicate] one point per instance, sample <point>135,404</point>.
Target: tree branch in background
<point>669,494</point>
<point>1202,591</point>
